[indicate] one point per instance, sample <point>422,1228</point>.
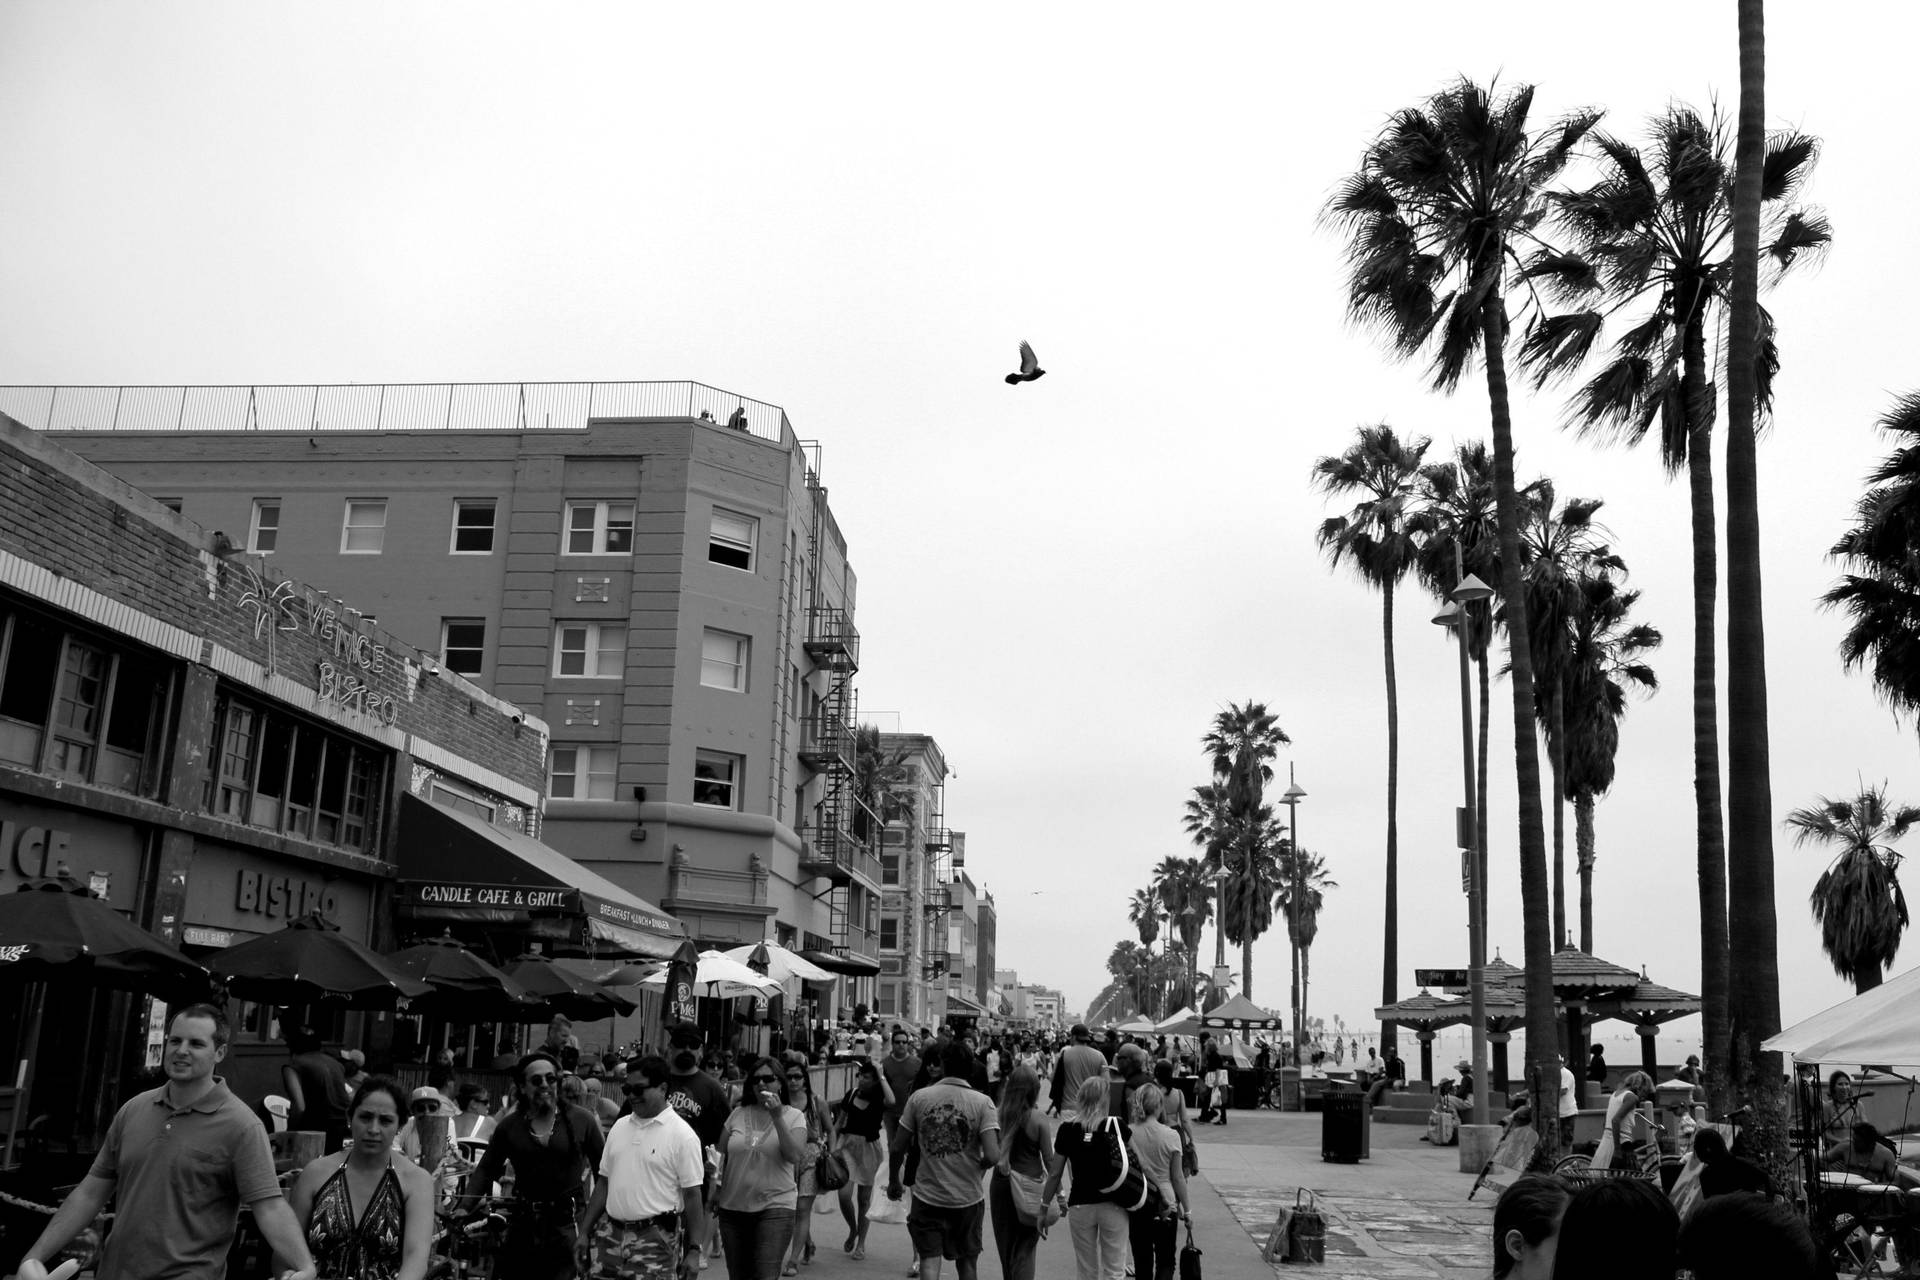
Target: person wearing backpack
<point>1093,1145</point>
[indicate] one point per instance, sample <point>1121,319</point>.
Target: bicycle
<point>465,1245</point>
<point>1578,1167</point>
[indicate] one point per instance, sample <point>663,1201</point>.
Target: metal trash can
<point>1243,1084</point>
<point>1290,1089</point>
<point>1346,1127</point>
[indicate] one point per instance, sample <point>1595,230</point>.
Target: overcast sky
<point>857,212</point>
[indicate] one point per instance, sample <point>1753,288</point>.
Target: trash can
<point>1346,1125</point>
<point>1189,1087</point>
<point>1290,1089</point>
<point>1245,1083</point>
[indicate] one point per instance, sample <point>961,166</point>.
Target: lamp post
<point>1469,590</point>
<point>1295,793</point>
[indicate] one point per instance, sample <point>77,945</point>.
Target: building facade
<point>652,568</point>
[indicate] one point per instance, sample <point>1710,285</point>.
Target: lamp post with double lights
<point>1295,793</point>
<point>1454,616</point>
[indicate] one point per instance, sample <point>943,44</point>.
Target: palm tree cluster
<point>1456,224</point>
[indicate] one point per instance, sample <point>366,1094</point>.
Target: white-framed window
<point>463,644</point>
<point>582,773</point>
<point>889,933</point>
<point>731,539</point>
<point>599,529</point>
<point>363,531</point>
<point>593,650</point>
<point>716,779</point>
<point>263,533</point>
<point>473,526</point>
<point>723,660</point>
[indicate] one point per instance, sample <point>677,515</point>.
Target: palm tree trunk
<point>1543,1041</point>
<point>1390,930</point>
<point>1556,750</point>
<point>1866,977</point>
<point>1480,782</point>
<point>1753,989</point>
<point>1583,858</point>
<point>1709,830</point>
<point>1303,993</point>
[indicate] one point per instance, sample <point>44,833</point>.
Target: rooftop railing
<point>413,406</point>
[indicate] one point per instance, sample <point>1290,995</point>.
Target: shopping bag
<point>1603,1153</point>
<point>1307,1234</point>
<point>888,1210</point>
<point>1190,1257</point>
<point>1027,1204</point>
<point>1686,1195</point>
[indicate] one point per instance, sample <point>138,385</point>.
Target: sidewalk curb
<point>1232,1252</point>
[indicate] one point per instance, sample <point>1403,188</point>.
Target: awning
<point>453,866</point>
<point>854,966</point>
<point>963,1007</point>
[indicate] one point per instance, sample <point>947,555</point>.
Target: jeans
<point>1156,1245</point>
<point>1099,1240</point>
<point>755,1243</point>
<point>1013,1239</point>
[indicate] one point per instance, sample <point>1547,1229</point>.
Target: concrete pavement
<point>1403,1214</point>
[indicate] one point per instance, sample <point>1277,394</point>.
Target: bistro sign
<point>500,896</point>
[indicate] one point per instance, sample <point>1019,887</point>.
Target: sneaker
<point>705,1261</point>
<point>859,1252</point>
<point>913,1268</point>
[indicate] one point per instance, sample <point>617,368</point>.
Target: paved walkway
<point>1403,1214</point>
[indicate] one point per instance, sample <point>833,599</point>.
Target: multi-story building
<point>652,568</point>
<point>914,846</point>
<point>1043,1006</point>
<point>986,939</point>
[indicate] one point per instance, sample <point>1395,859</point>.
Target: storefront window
<point>283,774</point>
<point>80,708</point>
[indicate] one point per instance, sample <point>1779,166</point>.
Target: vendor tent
<point>1184,1023</point>
<point>1878,1028</point>
<point>1240,1013</point>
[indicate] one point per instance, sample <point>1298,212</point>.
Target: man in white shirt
<point>1569,1103</point>
<point>646,1201</point>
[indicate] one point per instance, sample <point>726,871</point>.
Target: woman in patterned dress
<point>367,1214</point>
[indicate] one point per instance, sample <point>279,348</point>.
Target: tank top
<point>367,1249</point>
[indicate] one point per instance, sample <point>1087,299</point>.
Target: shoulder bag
<point>1129,1188</point>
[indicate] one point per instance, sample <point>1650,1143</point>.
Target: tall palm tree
<point>1432,218</point>
<point>1651,238</point>
<point>1143,909</point>
<point>1605,652</point>
<point>882,782</point>
<point>1881,589</point>
<point>1857,900</point>
<point>1753,990</point>
<point>1558,550</point>
<point>1242,745</point>
<point>1300,898</point>
<point>1186,890</point>
<point>1383,472</point>
<point>1243,856</point>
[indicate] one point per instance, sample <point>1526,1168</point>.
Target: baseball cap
<point>1079,1031</point>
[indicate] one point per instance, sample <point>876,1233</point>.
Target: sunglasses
<point>796,1075</point>
<point>766,1080</point>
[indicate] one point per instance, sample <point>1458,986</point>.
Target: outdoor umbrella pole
<point>23,1077</point>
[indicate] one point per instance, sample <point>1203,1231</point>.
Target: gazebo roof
<point>1424,1010</point>
<point>1498,972</point>
<point>1575,974</point>
<point>1648,1003</point>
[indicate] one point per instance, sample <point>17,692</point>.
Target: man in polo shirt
<point>178,1163</point>
<point>956,1131</point>
<point>651,1173</point>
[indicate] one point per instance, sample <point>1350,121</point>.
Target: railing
<point>825,739</point>
<point>413,406</point>
<point>832,638</point>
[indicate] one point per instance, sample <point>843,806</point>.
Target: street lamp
<point>1295,793</point>
<point>1455,616</point>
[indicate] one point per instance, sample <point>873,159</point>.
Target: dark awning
<point>453,866</point>
<point>855,966</point>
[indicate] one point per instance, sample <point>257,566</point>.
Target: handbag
<point>830,1171</point>
<point>1189,1154</point>
<point>1027,1204</point>
<point>1190,1257</point>
<point>1130,1188</point>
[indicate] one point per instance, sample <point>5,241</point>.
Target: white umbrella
<point>782,965</point>
<point>1880,1027</point>
<point>720,975</point>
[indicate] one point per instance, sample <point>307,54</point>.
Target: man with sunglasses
<point>554,1149</point>
<point>651,1175</point>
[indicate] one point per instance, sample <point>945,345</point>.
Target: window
<point>889,933</point>
<point>364,531</point>
<point>716,779</point>
<point>889,868</point>
<point>590,649</point>
<point>599,529</point>
<point>286,775</point>
<point>263,534</point>
<point>77,706</point>
<point>463,644</point>
<point>731,539</point>
<point>442,793</point>
<point>582,773</point>
<point>887,1003</point>
<point>472,527</point>
<point>80,708</point>
<point>723,660</point>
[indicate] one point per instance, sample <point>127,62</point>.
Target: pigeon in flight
<point>1029,367</point>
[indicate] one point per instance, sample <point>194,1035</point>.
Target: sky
<point>857,212</point>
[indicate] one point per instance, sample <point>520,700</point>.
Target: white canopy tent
<point>1878,1028</point>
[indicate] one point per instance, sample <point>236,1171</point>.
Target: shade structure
<point>1184,1023</point>
<point>1879,1028</point>
<point>1648,1004</point>
<point>50,932</point>
<point>630,974</point>
<point>782,965</point>
<point>556,990</point>
<point>464,985</point>
<point>1240,1013</point>
<point>312,962</point>
<point>721,976</point>
<point>853,966</point>
<point>1425,1010</point>
<point>1138,1027</point>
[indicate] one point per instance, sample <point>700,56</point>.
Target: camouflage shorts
<point>621,1252</point>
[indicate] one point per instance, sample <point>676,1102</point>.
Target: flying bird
<point>1029,367</point>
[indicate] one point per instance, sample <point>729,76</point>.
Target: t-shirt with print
<point>701,1102</point>
<point>946,1120</point>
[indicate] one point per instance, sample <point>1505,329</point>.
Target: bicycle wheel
<point>1575,1165</point>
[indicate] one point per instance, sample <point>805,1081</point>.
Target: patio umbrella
<point>49,932</point>
<point>463,984</point>
<point>312,962</point>
<point>556,990</point>
<point>630,974</point>
<point>720,975</point>
<point>781,964</point>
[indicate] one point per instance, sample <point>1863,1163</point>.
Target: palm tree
<point>1143,909</point>
<point>1603,664</point>
<point>1300,898</point>
<point>1186,890</point>
<point>882,782</point>
<point>1857,900</point>
<point>1431,219</point>
<point>1243,855</point>
<point>1651,238</point>
<point>1241,745</point>
<point>1375,539</point>
<point>1557,550</point>
<point>1881,589</point>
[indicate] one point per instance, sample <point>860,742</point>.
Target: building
<point>985,943</point>
<point>652,568</point>
<point>915,846</point>
<point>1042,1007</point>
<point>215,749</point>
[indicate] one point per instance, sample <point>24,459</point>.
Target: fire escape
<point>938,961</point>
<point>834,840</point>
